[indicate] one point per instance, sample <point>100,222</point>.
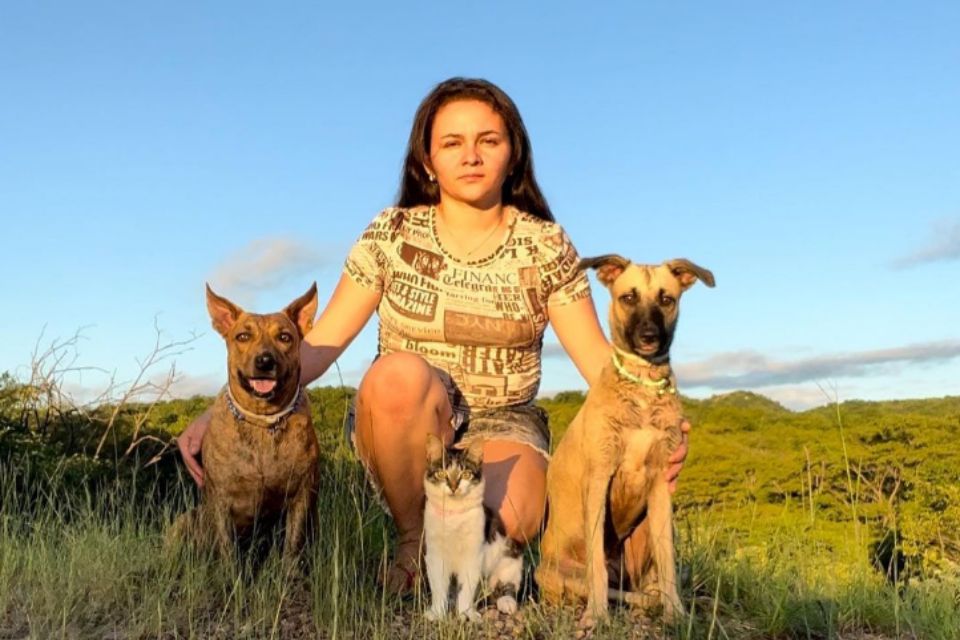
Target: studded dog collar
<point>275,421</point>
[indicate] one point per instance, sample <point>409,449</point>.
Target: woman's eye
<point>490,141</point>
<point>243,337</point>
<point>449,143</point>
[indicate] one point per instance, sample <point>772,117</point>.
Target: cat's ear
<point>434,450</point>
<point>475,452</point>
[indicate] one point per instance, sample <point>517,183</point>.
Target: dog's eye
<point>285,337</point>
<point>667,301</point>
<point>629,298</point>
<point>243,337</point>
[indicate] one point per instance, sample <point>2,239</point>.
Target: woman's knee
<point>398,389</point>
<point>397,384</point>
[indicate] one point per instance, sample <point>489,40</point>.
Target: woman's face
<point>469,152</point>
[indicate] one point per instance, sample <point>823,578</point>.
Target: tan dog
<point>609,501</point>
<point>260,453</point>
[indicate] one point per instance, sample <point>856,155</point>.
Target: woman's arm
<point>347,312</point>
<point>578,329</point>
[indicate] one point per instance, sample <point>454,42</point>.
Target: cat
<point>465,541</point>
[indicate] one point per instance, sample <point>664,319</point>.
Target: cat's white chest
<point>454,536</point>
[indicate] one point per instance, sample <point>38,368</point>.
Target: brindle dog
<point>260,453</point>
<point>609,501</point>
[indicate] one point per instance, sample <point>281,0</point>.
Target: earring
<point>431,177</point>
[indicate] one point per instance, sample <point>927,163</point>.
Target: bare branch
<point>141,386</point>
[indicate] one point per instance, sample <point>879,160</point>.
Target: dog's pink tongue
<point>261,385</point>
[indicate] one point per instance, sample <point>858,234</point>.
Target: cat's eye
<point>467,475</point>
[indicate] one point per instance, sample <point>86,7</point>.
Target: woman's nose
<point>471,154</point>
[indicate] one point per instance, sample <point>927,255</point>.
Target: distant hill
<point>741,400</point>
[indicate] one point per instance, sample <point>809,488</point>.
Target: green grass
<point>773,543</point>
<point>91,564</point>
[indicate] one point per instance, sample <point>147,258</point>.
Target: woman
<point>465,273</point>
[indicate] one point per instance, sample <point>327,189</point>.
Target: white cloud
<point>107,389</point>
<point>801,397</point>
<point>749,369</point>
<point>553,350</point>
<point>187,386</point>
<point>944,245</point>
<point>266,263</point>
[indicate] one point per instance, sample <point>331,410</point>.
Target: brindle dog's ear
<point>222,312</point>
<point>434,450</point>
<point>688,273</point>
<point>609,267</point>
<point>303,309</point>
<point>475,452</point>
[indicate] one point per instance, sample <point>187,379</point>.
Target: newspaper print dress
<point>479,323</point>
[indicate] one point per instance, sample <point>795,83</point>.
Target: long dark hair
<point>520,189</point>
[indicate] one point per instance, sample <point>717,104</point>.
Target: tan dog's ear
<point>475,452</point>
<point>223,312</point>
<point>303,309</point>
<point>434,450</point>
<point>609,267</point>
<point>688,273</point>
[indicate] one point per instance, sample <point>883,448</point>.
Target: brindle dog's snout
<point>265,362</point>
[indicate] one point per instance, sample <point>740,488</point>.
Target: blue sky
<point>807,153</point>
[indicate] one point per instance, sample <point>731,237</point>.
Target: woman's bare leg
<point>400,400</point>
<point>516,487</point>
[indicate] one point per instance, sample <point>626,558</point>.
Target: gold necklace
<point>467,254</point>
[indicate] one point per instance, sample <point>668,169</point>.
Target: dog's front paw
<point>433,615</point>
<point>587,623</point>
<point>507,604</point>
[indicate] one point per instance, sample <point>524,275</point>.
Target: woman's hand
<point>672,472</point>
<point>189,444</point>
